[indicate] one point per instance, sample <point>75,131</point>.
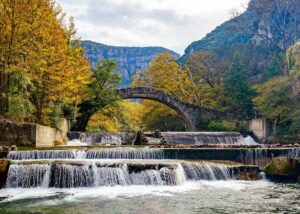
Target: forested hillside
<point>261,35</point>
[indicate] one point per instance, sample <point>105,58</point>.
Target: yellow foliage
<point>165,74</point>
<point>35,40</point>
<point>122,116</point>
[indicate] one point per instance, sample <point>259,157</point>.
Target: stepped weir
<point>126,166</point>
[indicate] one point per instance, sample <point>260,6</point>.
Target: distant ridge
<point>129,59</point>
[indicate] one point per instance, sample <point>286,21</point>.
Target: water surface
<point>192,197</point>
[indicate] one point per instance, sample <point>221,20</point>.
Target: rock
<point>4,165</point>
<point>13,148</point>
<point>6,148</point>
<point>283,169</point>
<point>250,175</point>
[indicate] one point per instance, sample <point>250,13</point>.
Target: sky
<point>172,24</point>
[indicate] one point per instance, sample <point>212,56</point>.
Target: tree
<point>100,92</point>
<point>205,70</point>
<point>36,42</point>
<point>165,74</point>
<point>274,101</point>
<point>121,116</point>
<point>293,58</point>
<point>237,91</point>
<point>19,97</point>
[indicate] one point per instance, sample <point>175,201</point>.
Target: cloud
<point>173,24</point>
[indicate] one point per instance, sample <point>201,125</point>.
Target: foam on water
<point>76,142</point>
<point>95,173</point>
<point>85,194</point>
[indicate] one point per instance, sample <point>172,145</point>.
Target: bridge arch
<point>188,112</point>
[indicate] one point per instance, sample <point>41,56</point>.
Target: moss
<point>282,166</point>
<point>33,162</point>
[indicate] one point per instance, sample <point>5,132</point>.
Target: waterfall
<point>68,176</point>
<point>125,153</point>
<point>72,174</point>
<point>202,138</point>
<point>25,176</point>
<point>206,171</point>
<point>261,157</point>
<point>116,153</point>
<point>41,154</point>
<point>101,138</point>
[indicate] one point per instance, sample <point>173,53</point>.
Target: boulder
<point>250,175</point>
<point>4,165</point>
<point>283,169</point>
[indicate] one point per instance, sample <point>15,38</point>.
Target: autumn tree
<point>205,70</point>
<point>36,41</point>
<point>165,74</point>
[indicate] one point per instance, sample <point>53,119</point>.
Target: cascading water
<point>207,171</point>
<point>100,138</point>
<point>72,174</point>
<point>261,156</point>
<point>203,138</point>
<point>115,153</point>
<point>25,176</point>
<point>41,154</point>
<point>121,153</point>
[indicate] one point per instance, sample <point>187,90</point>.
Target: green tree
<point>100,92</point>
<point>277,67</point>
<point>274,101</point>
<point>18,93</point>
<point>237,90</point>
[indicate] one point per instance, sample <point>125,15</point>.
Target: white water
<point>84,173</point>
<point>76,142</point>
<point>115,153</point>
<point>248,141</point>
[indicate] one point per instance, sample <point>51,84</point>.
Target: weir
<point>251,156</point>
<point>70,174</point>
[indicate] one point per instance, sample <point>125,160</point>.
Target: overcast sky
<point>173,24</point>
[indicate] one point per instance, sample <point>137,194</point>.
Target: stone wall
<point>27,134</point>
<point>261,128</point>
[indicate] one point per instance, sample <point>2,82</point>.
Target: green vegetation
<point>100,92</point>
<point>238,72</point>
<point>237,89</point>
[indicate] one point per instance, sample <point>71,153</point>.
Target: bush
<point>227,126</point>
<point>55,116</point>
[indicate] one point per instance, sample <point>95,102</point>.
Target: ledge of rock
<point>283,169</point>
<point>4,165</point>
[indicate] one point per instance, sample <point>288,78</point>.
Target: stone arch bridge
<point>190,113</point>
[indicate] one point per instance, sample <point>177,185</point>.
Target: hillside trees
<point>35,41</point>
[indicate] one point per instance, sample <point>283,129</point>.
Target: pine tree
<point>237,89</point>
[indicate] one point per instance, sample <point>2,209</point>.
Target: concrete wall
<point>26,134</point>
<point>261,127</point>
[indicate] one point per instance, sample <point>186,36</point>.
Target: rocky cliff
<point>129,59</point>
<point>264,31</point>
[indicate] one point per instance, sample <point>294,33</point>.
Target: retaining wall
<point>28,134</point>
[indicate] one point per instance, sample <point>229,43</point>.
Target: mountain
<point>261,34</point>
<point>129,59</point>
